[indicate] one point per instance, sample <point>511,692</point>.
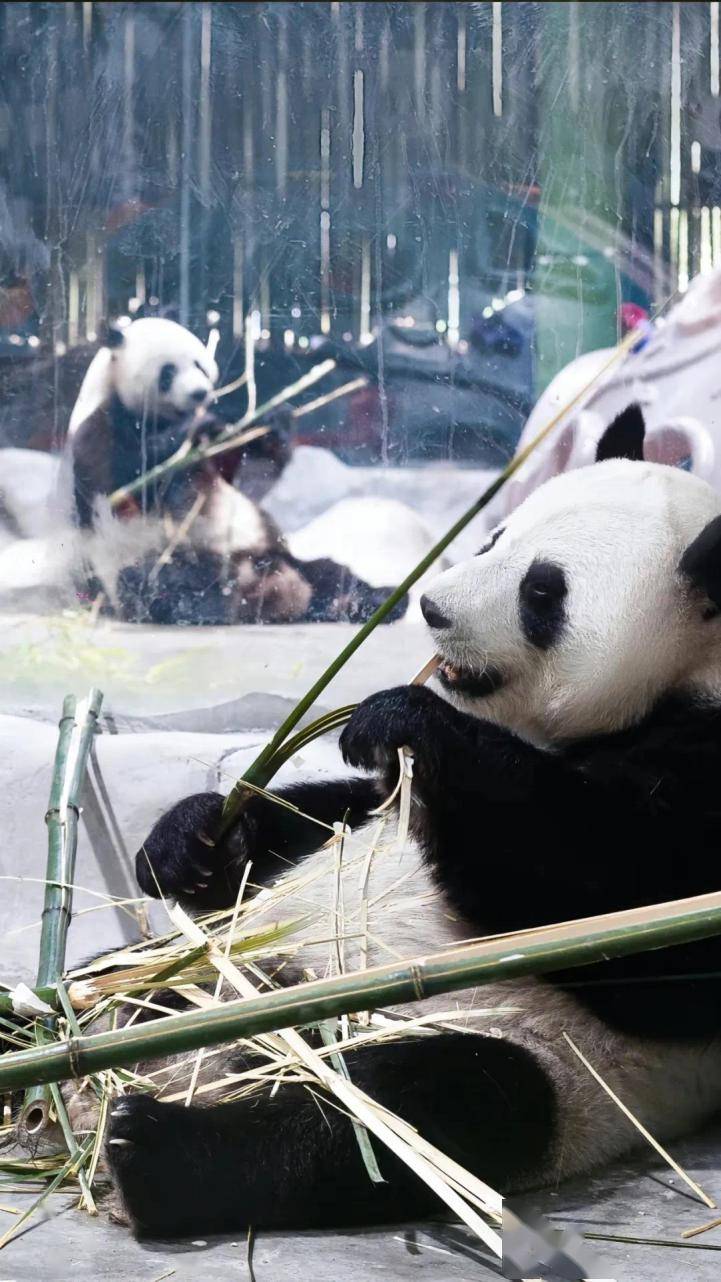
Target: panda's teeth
<point>450,672</point>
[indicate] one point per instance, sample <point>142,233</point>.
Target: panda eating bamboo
<point>568,765</point>
<point>146,392</point>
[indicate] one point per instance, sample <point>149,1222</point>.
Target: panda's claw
<point>123,1106</point>
<point>178,861</point>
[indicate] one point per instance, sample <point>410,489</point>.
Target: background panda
<point>145,393</point>
<point>569,767</point>
<point>142,393</point>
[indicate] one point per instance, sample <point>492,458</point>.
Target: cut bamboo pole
<point>529,952</point>
<point>77,726</point>
<point>47,994</point>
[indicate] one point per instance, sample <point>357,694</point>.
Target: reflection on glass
<point>383,229</point>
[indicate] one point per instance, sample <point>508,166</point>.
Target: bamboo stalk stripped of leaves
<point>529,952</point>
<point>77,727</point>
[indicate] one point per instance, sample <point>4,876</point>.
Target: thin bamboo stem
<point>696,1188</point>
<point>77,726</point>
<point>268,761</point>
<point>529,952</point>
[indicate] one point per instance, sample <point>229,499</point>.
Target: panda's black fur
<point>201,587</point>
<point>111,449</point>
<point>513,836</point>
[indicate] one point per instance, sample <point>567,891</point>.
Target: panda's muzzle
<point>478,685</point>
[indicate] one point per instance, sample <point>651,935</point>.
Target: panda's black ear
<point>701,562</point>
<point>623,438</point>
<point>112,335</point>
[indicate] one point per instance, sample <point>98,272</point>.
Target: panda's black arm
<point>91,448</point>
<point>521,837</point>
<point>177,859</point>
<point>456,755</point>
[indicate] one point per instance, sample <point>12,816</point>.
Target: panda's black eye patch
<point>542,596</point>
<point>492,541</point>
<point>166,376</point>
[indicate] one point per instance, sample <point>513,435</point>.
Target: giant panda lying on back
<point>146,392</point>
<point>569,765</point>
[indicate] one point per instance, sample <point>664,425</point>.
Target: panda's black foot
<point>154,1150</point>
<point>180,858</point>
<point>406,716</point>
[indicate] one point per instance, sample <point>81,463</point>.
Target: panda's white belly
<point>376,903</point>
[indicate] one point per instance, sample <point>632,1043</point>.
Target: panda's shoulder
<point>679,740</point>
<point>117,411</point>
<point>95,433</point>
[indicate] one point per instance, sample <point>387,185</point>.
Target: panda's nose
<point>432,615</point>
<point>199,395</point>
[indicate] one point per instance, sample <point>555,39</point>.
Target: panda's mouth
<point>465,681</point>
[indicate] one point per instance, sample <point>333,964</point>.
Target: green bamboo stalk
<point>233,436</point>
<point>71,759</point>
<point>269,760</point>
<point>532,952</point>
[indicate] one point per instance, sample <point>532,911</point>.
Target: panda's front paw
<point>181,860</point>
<point>403,717</point>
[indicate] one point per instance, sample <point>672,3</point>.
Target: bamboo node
<point>416,977</point>
<point>55,811</point>
<point>74,1057</point>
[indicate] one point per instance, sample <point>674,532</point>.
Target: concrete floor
<point>187,710</point>
<point>641,1199</point>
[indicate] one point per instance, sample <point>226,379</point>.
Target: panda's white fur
<point>131,370</point>
<point>630,635</point>
<point>381,540</point>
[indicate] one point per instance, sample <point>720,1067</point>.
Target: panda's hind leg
<point>292,1159</point>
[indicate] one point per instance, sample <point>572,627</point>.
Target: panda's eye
<point>165,378</point>
<point>203,371</point>
<point>492,541</point>
<point>541,600</point>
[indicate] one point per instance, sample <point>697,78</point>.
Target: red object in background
<point>121,215</point>
<point>359,425</point>
<point>17,306</point>
<point>631,316</point>
<point>127,508</point>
